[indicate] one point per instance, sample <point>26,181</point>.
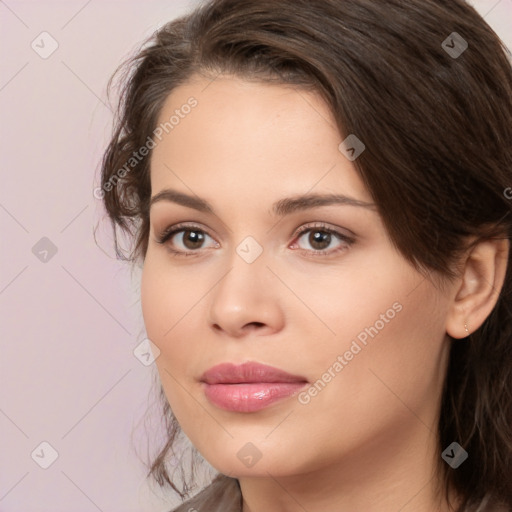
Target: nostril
<point>255,324</point>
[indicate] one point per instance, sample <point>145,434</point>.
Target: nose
<point>247,300</point>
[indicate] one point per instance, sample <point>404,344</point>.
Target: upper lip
<point>229,373</point>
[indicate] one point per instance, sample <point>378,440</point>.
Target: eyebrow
<point>281,207</point>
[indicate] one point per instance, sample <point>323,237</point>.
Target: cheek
<point>387,326</point>
<point>163,306</point>
<point>393,357</point>
<point>153,301</point>
<point>165,294</point>
<point>171,308</point>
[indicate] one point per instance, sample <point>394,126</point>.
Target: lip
<point>248,387</point>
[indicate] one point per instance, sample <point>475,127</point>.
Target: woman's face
<point>315,289</point>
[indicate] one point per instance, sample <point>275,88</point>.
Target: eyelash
<point>168,233</point>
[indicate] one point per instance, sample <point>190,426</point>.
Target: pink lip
<point>248,387</point>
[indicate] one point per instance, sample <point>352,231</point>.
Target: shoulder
<point>222,495</point>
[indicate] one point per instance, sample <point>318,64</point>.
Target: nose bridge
<point>245,294</point>
<point>246,273</point>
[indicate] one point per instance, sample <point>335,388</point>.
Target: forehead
<point>272,138</point>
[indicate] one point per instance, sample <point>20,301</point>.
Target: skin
<point>366,441</point>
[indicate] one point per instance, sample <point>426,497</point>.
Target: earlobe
<point>479,287</point>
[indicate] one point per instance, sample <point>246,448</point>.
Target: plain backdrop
<point>73,394</point>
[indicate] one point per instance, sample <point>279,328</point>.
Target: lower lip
<point>250,397</point>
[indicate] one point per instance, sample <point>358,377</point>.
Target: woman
<point>317,192</point>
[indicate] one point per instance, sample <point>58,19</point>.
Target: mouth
<point>249,387</point>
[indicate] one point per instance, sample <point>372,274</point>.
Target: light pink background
<point>68,375</point>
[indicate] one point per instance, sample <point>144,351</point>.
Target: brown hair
<point>438,159</point>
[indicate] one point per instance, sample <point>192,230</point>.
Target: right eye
<point>188,238</point>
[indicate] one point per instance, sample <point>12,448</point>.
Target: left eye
<point>319,239</point>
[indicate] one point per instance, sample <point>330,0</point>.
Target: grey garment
<point>224,495</point>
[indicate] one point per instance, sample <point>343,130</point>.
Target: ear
<point>479,286</point>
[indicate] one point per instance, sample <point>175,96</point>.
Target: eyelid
<point>326,227</point>
<point>164,235</point>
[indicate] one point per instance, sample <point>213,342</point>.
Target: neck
<point>382,477</point>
